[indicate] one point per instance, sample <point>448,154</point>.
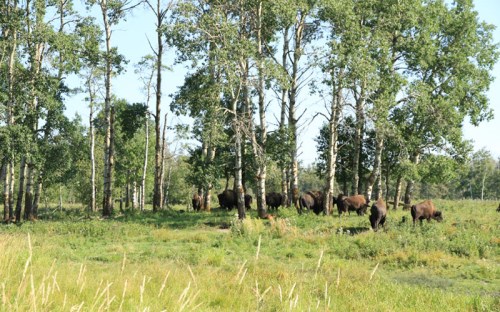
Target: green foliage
<point>180,191</point>
<point>131,117</point>
<point>309,180</point>
<point>345,150</point>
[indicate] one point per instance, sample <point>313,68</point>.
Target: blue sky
<point>486,135</point>
<point>131,39</point>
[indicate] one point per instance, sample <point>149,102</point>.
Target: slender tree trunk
<point>410,183</point>
<point>282,127</point>
<point>167,188</point>
<point>207,198</point>
<point>121,200</point>
<point>238,183</point>
<point>227,182</point>
<point>134,195</point>
<point>38,195</point>
<point>376,166</point>
<point>20,193</point>
<point>163,156</point>
<point>92,206</point>
<point>387,180</point>
<point>141,195</point>
<point>11,191</point>
<point>36,56</point>
<point>358,139</point>
<point>9,173</point>
<point>243,159</point>
<point>158,189</point>
<point>397,193</point>
<point>336,110</point>
<point>127,190</point>
<point>379,186</point>
<point>60,198</point>
<point>108,166</point>
<point>112,153</point>
<point>28,199</point>
<point>345,190</point>
<point>483,180</point>
<point>145,167</point>
<point>6,177</point>
<point>292,118</point>
<point>260,147</point>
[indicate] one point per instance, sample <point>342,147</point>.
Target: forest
<point>398,79</point>
<point>100,211</point>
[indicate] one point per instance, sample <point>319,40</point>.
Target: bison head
<point>438,216</point>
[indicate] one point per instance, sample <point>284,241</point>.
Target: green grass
<point>184,261</point>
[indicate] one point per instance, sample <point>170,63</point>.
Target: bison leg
<point>382,222</point>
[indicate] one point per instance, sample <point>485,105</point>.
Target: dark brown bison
<point>378,213</point>
<point>197,202</point>
<point>227,199</point>
<point>248,201</point>
<point>312,200</point>
<point>498,209</point>
<point>356,203</point>
<point>425,210</point>
<point>274,200</point>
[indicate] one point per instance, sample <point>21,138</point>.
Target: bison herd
<point>313,201</point>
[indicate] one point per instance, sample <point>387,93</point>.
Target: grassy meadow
<point>186,261</point>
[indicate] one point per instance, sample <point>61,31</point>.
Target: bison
<point>378,213</point>
<point>274,200</point>
<point>425,210</point>
<point>356,203</point>
<point>248,201</point>
<point>312,200</point>
<point>498,209</point>
<point>197,202</point>
<point>228,200</point>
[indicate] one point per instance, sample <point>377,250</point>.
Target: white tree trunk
<point>482,186</point>
<point>145,167</point>
<point>92,207</point>
<point>376,166</point>
<point>107,179</point>
<point>335,111</point>
<point>134,195</point>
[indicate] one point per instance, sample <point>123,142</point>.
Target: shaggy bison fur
<point>425,210</point>
<point>312,200</point>
<point>197,202</point>
<point>228,200</point>
<point>274,200</point>
<point>248,201</point>
<point>356,203</point>
<point>378,213</point>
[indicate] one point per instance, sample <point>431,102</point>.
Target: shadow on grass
<point>355,230</point>
<point>425,280</point>
<point>175,219</point>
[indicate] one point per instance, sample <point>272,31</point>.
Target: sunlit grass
<point>184,261</point>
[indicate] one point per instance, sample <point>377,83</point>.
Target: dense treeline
<point>399,77</point>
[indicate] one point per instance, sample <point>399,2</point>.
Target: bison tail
<point>413,211</point>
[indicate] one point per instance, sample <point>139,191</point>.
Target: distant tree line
<point>398,79</point>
